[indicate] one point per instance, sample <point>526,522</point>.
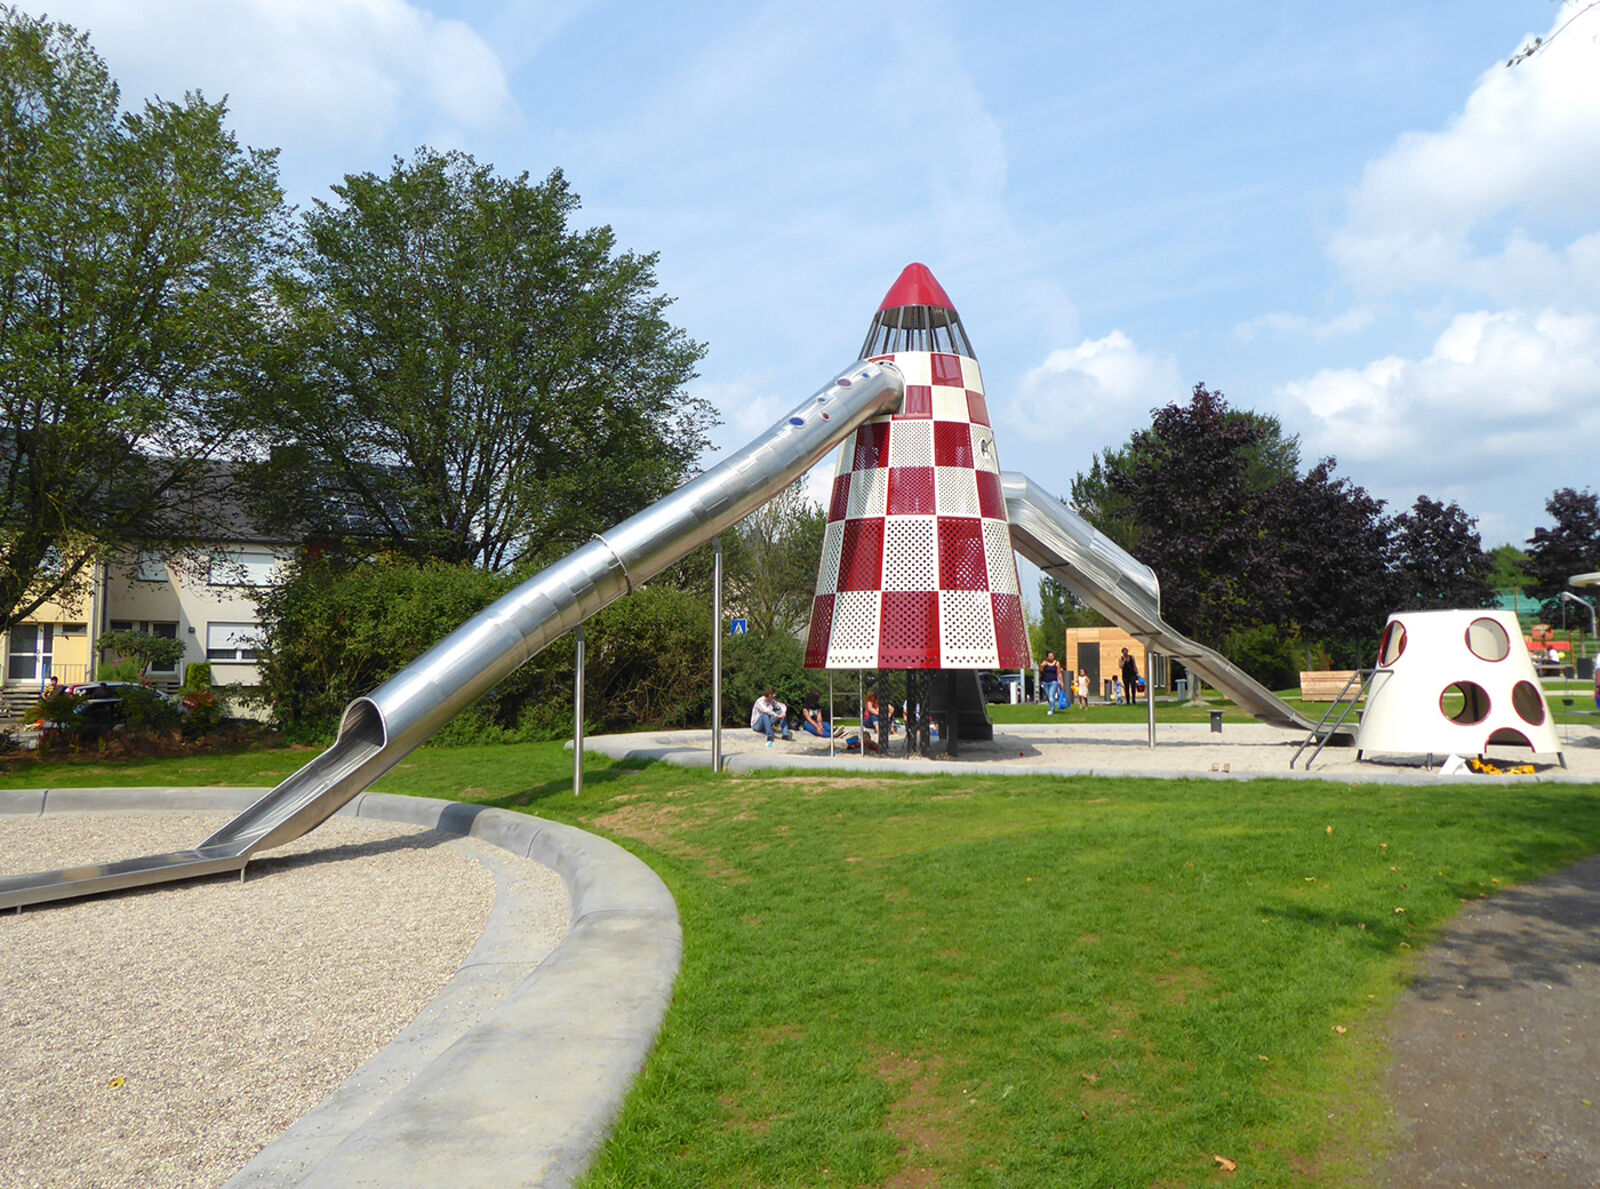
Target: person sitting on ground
<point>871,710</point>
<point>768,714</point>
<point>811,716</point>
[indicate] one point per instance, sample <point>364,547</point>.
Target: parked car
<point>102,709</point>
<point>997,687</point>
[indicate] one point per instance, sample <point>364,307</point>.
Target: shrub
<point>148,712</point>
<point>206,711</point>
<point>124,670</point>
<point>197,676</point>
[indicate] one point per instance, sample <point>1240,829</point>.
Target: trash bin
<point>1586,668</point>
<point>1016,691</point>
<point>1216,722</point>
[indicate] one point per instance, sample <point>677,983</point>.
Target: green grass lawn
<point>1014,981</point>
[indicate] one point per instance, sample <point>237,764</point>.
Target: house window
<point>230,641</point>
<point>243,567</point>
<point>31,646</point>
<point>150,567</point>
<point>149,628</point>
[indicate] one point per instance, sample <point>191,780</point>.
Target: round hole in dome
<point>1465,703</point>
<point>1528,702</point>
<point>797,421</point>
<point>843,383</point>
<point>1393,643</point>
<point>1488,640</point>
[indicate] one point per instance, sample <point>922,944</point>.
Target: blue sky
<point>1351,216</point>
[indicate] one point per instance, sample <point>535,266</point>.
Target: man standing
<point>1130,677</point>
<point>768,714</point>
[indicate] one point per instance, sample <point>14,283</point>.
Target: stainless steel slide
<point>1125,590</point>
<point>379,730</point>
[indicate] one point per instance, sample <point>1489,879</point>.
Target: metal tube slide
<point>379,730</point>
<point>1125,590</point>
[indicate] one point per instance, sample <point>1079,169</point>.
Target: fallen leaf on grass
<point>1227,1165</point>
<point>1340,1029</point>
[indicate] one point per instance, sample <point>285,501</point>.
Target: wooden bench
<point>1324,685</point>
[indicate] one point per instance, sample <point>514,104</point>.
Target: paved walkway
<point>1496,1074</point>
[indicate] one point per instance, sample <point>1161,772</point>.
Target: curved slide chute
<point>379,730</point>
<point>1125,590</point>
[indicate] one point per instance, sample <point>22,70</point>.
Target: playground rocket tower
<point>917,570</point>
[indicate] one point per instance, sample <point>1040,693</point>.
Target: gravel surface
<point>1075,741</point>
<point>164,1036</point>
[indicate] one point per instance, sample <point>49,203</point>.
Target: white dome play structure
<point>1454,683</point>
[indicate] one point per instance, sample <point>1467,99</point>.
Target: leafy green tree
<point>134,249</point>
<point>770,563</point>
<point>144,648</point>
<point>1438,559</point>
<point>467,378</point>
<point>1507,567</point>
<point>1571,545</point>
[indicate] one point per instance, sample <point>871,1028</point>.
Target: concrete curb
<point>516,1071</point>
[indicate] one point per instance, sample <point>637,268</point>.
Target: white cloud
<point>1281,325</point>
<point>1093,394</point>
<point>1503,201</point>
<point>317,74</point>
<point>1505,398</point>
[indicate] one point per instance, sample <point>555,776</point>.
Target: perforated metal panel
<point>911,553</point>
<point>871,440</point>
<point>911,491</point>
<point>909,635</point>
<point>854,643</point>
<point>952,444</point>
<point>957,490</point>
<point>828,568</point>
<point>1011,632</point>
<point>966,629</point>
<point>840,500</point>
<point>861,556</point>
<point>991,501</point>
<point>869,492</point>
<point>962,565</point>
<point>917,570</point>
<point>1001,560</point>
<point>821,632</point>
<point>912,444</point>
<point>984,455</point>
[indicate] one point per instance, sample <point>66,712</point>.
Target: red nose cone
<point>916,287</point>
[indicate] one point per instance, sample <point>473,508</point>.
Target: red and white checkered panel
<point>917,570</point>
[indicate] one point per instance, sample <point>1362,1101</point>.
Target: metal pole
<point>577,715</point>
<point>1150,690</point>
<point>832,720</point>
<point>716,654</point>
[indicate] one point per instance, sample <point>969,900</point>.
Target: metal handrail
<point>1317,732</point>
